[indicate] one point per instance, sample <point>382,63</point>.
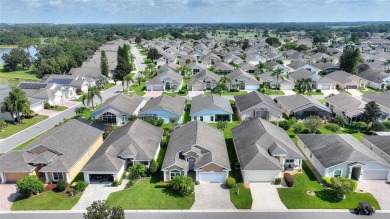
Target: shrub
<point>326,180</point>
<point>343,185</point>
<point>115,183</point>
<point>318,90</point>
<point>278,181</point>
<point>197,182</point>
<point>80,110</point>
<point>285,124</point>
<point>387,124</point>
<point>318,132</point>
<point>340,120</point>
<point>29,185</point>
<point>222,125</point>
<point>151,121</point>
<point>100,209</point>
<point>160,122</point>
<point>3,125</point>
<point>332,127</point>
<point>378,127</point>
<point>153,166</point>
<point>359,126</point>
<point>305,131</point>
<point>81,185</point>
<point>61,185</point>
<point>298,128</point>
<point>292,120</point>
<point>183,91</point>
<point>46,105</point>
<point>313,123</point>
<point>163,143</point>
<point>230,182</point>
<point>137,171</point>
<point>289,179</point>
<point>133,117</point>
<point>182,184</point>
<point>130,184</point>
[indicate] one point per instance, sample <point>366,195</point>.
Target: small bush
<point>326,180</point>
<point>197,182</point>
<point>278,181</point>
<point>305,131</point>
<point>318,90</point>
<point>289,179</point>
<point>81,185</point>
<point>153,166</point>
<point>183,91</point>
<point>3,125</point>
<point>80,110</point>
<point>133,117</point>
<point>318,132</point>
<point>378,127</point>
<point>70,191</point>
<point>230,182</point>
<point>343,185</point>
<point>29,185</point>
<point>160,122</point>
<point>46,105</point>
<point>332,127</point>
<point>130,184</point>
<point>61,185</point>
<point>115,183</point>
<point>137,171</point>
<point>387,124</point>
<point>285,124</point>
<point>182,184</point>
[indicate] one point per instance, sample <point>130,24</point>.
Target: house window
<point>125,118</point>
<point>195,117</point>
<point>337,173</point>
<point>201,118</point>
<point>212,118</point>
<point>57,176</point>
<point>109,118</point>
<point>174,173</point>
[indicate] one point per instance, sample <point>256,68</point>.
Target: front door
<point>208,85</point>
<point>167,86</point>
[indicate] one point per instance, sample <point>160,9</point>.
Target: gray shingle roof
<point>254,140</point>
<point>299,102</point>
<point>346,103</point>
<point>301,73</point>
<point>238,73</point>
<point>381,142</point>
<point>136,138</point>
<point>169,74</point>
<point>174,104</point>
<point>296,64</point>
<point>340,76</point>
<point>122,102</point>
<point>212,102</point>
<point>197,133</point>
<point>381,99</point>
<point>331,150</point>
<point>373,75</point>
<point>202,75</point>
<point>246,101</point>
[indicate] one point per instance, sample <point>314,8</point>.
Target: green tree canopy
<point>350,59</point>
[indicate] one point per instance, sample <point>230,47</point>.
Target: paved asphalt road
<point>21,137</point>
<point>139,61</point>
<point>197,215</point>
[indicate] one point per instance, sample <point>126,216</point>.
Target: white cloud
<point>57,3</point>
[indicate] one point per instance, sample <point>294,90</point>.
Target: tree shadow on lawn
<point>328,195</point>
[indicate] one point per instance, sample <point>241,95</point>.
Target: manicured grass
<point>343,91</point>
<point>370,90</point>
<point>321,101</point>
<point>207,93</point>
<point>241,197</point>
<point>346,130</point>
<point>139,90</point>
<point>59,108</point>
<point>314,93</point>
<point>20,147</point>
<point>186,114</point>
<point>45,201</point>
<point>25,74</point>
<point>273,92</point>
<point>108,86</point>
<point>150,194</point>
<point>13,129</point>
<point>297,198</point>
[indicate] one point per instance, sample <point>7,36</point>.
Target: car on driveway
<point>364,208</point>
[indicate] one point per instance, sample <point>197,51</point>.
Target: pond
<point>31,49</point>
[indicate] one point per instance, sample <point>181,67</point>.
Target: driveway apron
<point>266,197</point>
<point>212,196</point>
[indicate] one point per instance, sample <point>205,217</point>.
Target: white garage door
<point>214,177</point>
<point>351,87</point>
<point>251,87</point>
<point>197,88</point>
<point>325,87</point>
<point>286,87</point>
<point>260,176</point>
<point>375,174</point>
<point>157,87</point>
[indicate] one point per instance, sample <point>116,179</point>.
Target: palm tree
<point>131,58</point>
<point>261,67</point>
<point>139,79</point>
<point>128,78</point>
<point>305,85</point>
<point>93,92</point>
<point>184,70</point>
<point>21,104</point>
<point>225,80</point>
<point>8,106</point>
<point>278,74</point>
<point>150,67</point>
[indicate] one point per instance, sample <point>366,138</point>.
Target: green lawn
<point>314,93</point>
<point>59,108</point>
<point>19,74</point>
<point>297,198</point>
<point>186,114</point>
<point>273,92</point>
<point>23,145</point>
<point>370,90</point>
<point>207,93</point>
<point>108,86</point>
<point>13,129</point>
<point>45,201</point>
<point>150,194</point>
<point>346,130</point>
<point>241,197</point>
<point>8,46</point>
<point>139,90</point>
<point>321,101</point>
<point>343,91</point>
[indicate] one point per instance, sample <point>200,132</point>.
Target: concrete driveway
<point>379,189</point>
<point>7,195</point>
<point>289,92</point>
<point>266,197</point>
<point>153,93</point>
<point>212,196</point>
<point>192,94</point>
<point>355,92</point>
<point>328,92</point>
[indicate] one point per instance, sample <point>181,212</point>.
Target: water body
<point>31,49</point>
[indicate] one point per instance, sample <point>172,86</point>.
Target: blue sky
<point>191,11</point>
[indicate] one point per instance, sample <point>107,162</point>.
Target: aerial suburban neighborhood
<point>99,120</point>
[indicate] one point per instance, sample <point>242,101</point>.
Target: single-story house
<point>90,72</point>
<point>346,105</point>
<point>49,92</point>
<point>296,65</point>
<point>166,81</point>
<point>264,150</point>
<point>326,67</point>
<point>211,108</point>
<point>345,80</point>
<point>302,107</point>
<point>117,109</point>
<point>136,141</point>
<point>275,65</point>
<point>283,83</point>
<point>204,80</point>
<point>326,83</point>
<point>379,144</point>
<point>243,80</point>
<point>343,156</point>
<point>303,74</point>
<point>164,107</point>
<point>196,67</point>
<point>223,68</point>
<point>171,66</point>
<point>255,104</point>
<point>383,100</point>
<point>60,153</point>
<point>81,83</point>
<point>376,79</point>
<point>248,68</point>
<point>197,150</point>
<point>35,106</point>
